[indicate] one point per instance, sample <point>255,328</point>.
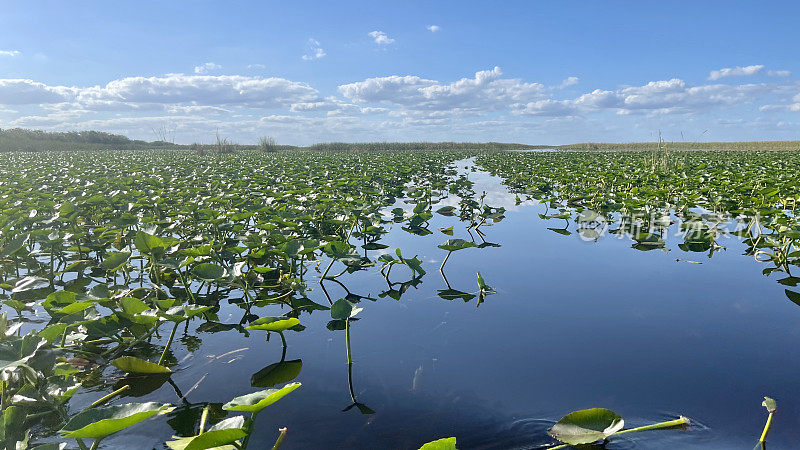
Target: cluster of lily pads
<point>102,252</point>
<point>98,251</point>
<point>749,196</point>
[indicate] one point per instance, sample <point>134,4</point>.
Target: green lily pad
<point>208,271</point>
<point>132,364</point>
<point>106,420</point>
<point>257,401</point>
<point>220,436</point>
<point>586,426</point>
<point>440,444</point>
<point>276,324</point>
<point>343,309</point>
<point>452,245</point>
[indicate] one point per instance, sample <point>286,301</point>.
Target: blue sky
<point>305,72</point>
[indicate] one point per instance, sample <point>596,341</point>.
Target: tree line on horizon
<point>21,139</point>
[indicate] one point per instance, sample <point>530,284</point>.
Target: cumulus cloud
<point>433,28</point>
<point>9,53</point>
<point>486,91</point>
<point>206,67</point>
<point>27,92</point>
<point>380,38</point>
<point>173,89</point>
<point>665,96</point>
<point>484,106</point>
<point>569,81</point>
<point>314,51</point>
<point>735,72</point>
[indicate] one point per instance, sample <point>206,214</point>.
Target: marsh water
<point>574,323</point>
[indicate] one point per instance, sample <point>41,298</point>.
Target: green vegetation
<point>19,139</point>
<point>714,198</point>
<point>100,250</point>
<point>654,146</point>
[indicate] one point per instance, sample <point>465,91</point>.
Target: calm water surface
<point>573,325</point>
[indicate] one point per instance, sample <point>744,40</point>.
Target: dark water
<point>573,325</point>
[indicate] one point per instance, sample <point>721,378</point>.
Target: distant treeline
<point>20,139</point>
<point>653,146</point>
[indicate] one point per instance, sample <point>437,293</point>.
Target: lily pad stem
<point>169,342</point>
<point>280,439</point>
<point>763,437</point>
<point>105,399</point>
<point>445,261</point>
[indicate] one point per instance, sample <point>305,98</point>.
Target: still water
<point>574,324</point>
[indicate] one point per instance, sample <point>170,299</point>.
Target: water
<point>573,325</point>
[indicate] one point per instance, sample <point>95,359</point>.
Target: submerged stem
<point>169,342</point>
<point>280,439</point>
<point>108,397</point>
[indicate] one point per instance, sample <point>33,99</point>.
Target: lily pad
<point>131,364</point>
<point>586,426</point>
<point>106,420</point>
<point>257,401</point>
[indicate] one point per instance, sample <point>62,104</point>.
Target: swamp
<point>428,299</point>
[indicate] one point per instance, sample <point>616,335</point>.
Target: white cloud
<point>26,92</point>
<point>486,106</point>
<point>256,66</point>
<point>569,81</point>
<point>659,97</point>
<point>9,53</point>
<point>206,67</point>
<point>173,89</point>
<point>433,28</point>
<point>779,73</point>
<point>485,92</point>
<point>315,51</point>
<point>380,38</point>
<point>735,72</point>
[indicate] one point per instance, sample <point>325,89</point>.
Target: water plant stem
<point>763,437</point>
<point>203,419</point>
<point>445,261</point>
<point>280,439</point>
<point>169,342</point>
<point>105,399</point>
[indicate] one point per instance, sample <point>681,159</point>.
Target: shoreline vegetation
<point>25,140</point>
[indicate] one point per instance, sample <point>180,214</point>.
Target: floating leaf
<point>132,364</point>
<point>208,271</point>
<point>343,309</point>
<point>452,245</point>
<point>114,260</point>
<point>218,437</point>
<point>257,401</point>
<point>105,420</point>
<point>586,426</point>
<point>440,444</point>
<point>276,324</point>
